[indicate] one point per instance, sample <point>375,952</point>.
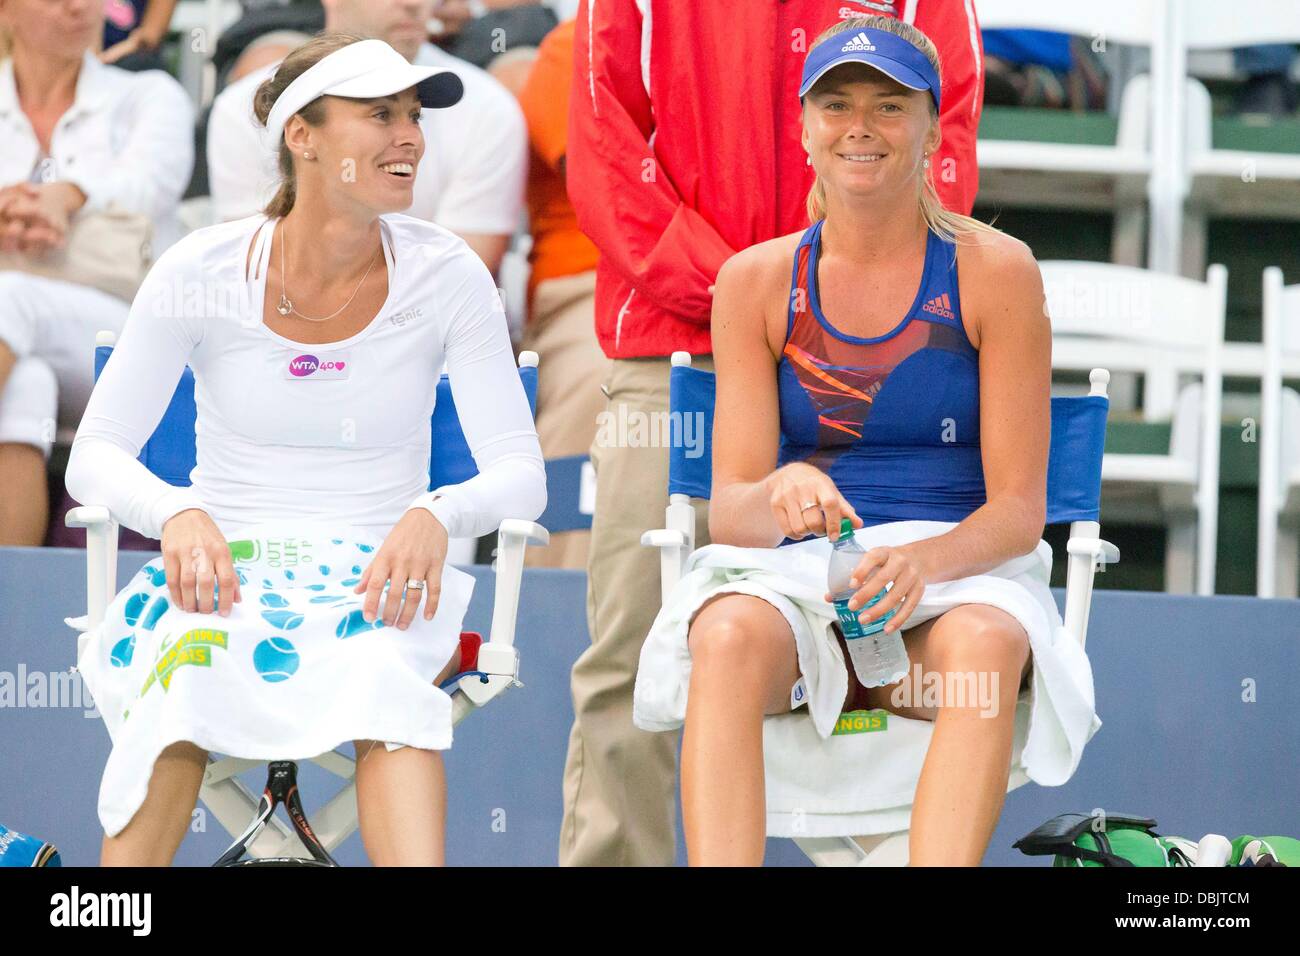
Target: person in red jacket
<point>684,148</point>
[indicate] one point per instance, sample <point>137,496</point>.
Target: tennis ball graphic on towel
<point>354,623</point>
<point>157,576</point>
<point>274,600</point>
<point>134,607</point>
<point>284,620</point>
<point>275,659</point>
<point>122,652</point>
<point>156,610</point>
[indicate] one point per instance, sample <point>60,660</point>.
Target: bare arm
<point>754,504</point>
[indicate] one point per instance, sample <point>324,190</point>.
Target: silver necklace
<point>285,305</point>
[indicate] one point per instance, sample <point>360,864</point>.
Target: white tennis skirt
<point>293,672</point>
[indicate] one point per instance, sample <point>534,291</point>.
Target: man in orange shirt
<point>561,283</point>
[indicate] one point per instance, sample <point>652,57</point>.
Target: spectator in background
<point>1042,68</point>
<point>500,26</point>
<point>716,93</point>
<point>133,32</point>
<point>1268,92</point>
<point>471,179</point>
<point>79,138</point>
<point>562,274</point>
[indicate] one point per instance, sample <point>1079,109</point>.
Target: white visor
<point>363,70</point>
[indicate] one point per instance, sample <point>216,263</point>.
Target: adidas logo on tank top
<point>939,305</point>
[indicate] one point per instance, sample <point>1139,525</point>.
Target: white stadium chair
<point>1165,328</point>
<point>1071,175</point>
<point>1219,181</point>
<point>1279,442</point>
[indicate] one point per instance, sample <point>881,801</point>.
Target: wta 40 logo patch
<point>335,366</point>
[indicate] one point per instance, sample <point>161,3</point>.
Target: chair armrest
<point>673,552</point>
<point>1102,552</point>
<point>1086,557</point>
<point>513,537</point>
<point>101,560</point>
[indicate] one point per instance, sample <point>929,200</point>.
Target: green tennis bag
<point>1265,851</point>
<point>1111,839</point>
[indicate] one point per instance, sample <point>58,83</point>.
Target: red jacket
<point>684,144</point>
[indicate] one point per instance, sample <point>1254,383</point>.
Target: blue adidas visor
<point>886,52</point>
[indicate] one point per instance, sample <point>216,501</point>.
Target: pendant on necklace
<point>285,306</point>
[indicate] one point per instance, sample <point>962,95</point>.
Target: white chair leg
<point>879,849</point>
<point>1180,555</point>
<point>1288,561</point>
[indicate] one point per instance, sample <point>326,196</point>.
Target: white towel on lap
<point>867,780</point>
<point>293,672</point>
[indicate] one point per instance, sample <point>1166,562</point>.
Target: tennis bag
<point>18,849</point>
<point>1112,839</point>
<point>1078,839</point>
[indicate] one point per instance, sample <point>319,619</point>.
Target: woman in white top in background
<point>78,136</point>
<point>316,333</point>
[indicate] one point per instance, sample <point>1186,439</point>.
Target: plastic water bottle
<point>878,657</point>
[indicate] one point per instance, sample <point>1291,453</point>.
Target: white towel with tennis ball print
<point>294,671</point>
<point>821,780</point>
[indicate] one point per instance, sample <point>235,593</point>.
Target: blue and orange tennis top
<point>892,419</point>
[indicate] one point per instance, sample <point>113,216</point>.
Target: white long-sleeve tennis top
<point>336,432</point>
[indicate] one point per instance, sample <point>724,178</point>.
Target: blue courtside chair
<point>170,454</point>
<point>1073,497</point>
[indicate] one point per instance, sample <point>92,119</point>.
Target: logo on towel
<point>193,647</point>
<point>861,722</point>
<point>859,44</point>
<point>309,366</point>
<point>939,305</point>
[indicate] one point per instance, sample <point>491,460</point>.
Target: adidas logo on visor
<point>859,44</point>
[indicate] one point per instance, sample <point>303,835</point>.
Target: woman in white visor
<point>316,333</point>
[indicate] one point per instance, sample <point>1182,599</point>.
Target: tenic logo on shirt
<point>304,366</point>
<point>399,319</point>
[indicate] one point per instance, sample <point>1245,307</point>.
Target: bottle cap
<point>846,528</point>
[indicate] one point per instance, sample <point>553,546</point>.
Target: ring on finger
<point>811,504</point>
<point>415,584</point>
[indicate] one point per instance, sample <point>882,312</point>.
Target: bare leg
<point>743,664</point>
<point>155,832</point>
<point>963,782</point>
<point>25,503</point>
<point>401,804</point>
<point>402,799</point>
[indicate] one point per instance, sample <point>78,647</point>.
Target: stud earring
<point>306,155</point>
<point>810,159</point>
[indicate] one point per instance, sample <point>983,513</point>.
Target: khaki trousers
<point>562,331</point>
<point>619,781</point>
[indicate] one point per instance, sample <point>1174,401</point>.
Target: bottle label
<point>849,623</point>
